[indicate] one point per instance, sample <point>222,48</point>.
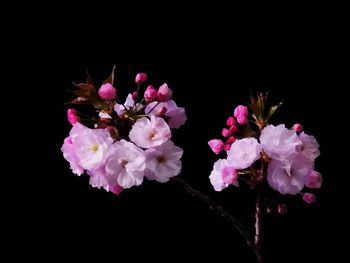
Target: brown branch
<point>234,221</point>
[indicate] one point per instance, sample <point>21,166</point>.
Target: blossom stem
<point>258,226</point>
<point>235,222</point>
<point>153,107</point>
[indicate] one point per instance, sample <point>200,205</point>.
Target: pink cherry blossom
<point>279,142</point>
<point>241,110</point>
<point>223,175</point>
<point>124,167</point>
<point>90,145</point>
<point>129,103</point>
<point>164,93</point>
<point>309,198</point>
<point>176,116</point>
<point>244,152</point>
<point>163,162</point>
<point>69,154</point>
<point>288,177</point>
<point>216,145</point>
<point>150,133</point>
<point>309,147</point>
<point>314,180</point>
<point>107,92</point>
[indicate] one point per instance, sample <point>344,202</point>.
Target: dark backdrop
<point>161,221</point>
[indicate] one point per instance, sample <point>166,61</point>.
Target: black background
<point>210,70</point>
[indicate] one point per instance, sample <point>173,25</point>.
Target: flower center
<point>161,159</point>
<point>151,135</point>
<point>123,162</point>
<point>94,148</point>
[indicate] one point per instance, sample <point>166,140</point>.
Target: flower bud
<point>164,93</point>
<point>216,145</point>
<point>231,140</point>
<point>150,94</point>
<point>309,198</point>
<point>226,133</point>
<point>314,180</point>
<point>241,110</point>
<point>297,127</point>
<point>140,78</point>
<point>107,92</point>
<point>242,119</point>
<point>72,116</point>
<point>282,209</point>
<point>230,121</point>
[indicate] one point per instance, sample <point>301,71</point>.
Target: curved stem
<point>236,223</point>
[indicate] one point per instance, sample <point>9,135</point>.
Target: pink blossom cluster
<point>127,141</point>
<point>259,153</point>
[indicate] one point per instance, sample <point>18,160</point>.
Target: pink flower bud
<point>231,140</point>
<point>233,128</point>
<point>314,180</point>
<point>140,78</point>
<point>72,116</point>
<point>162,111</point>
<point>226,133</point>
<point>107,92</point>
<point>134,96</point>
<point>309,198</point>
<point>282,209</point>
<point>164,93</point>
<point>117,189</point>
<point>216,145</point>
<point>241,110</point>
<point>150,94</point>
<point>298,127</point>
<point>242,119</point>
<point>227,147</point>
<point>230,121</point>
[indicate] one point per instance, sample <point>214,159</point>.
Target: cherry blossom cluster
<point>124,142</point>
<point>259,153</point>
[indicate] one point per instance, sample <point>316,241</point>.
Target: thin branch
<point>236,223</point>
<point>258,226</point>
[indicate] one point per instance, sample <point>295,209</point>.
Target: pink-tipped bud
<point>298,127</point>
<point>68,140</point>
<point>150,94</point>
<point>230,121</point>
<point>162,111</point>
<point>227,147</point>
<point>233,128</point>
<point>216,145</point>
<point>309,198</point>
<point>282,209</point>
<point>134,96</point>
<point>164,93</point>
<point>314,180</point>
<point>231,140</point>
<point>72,116</point>
<point>226,133</point>
<point>107,92</point>
<point>140,78</point>
<point>117,189</point>
<point>241,110</point>
<point>242,119</point>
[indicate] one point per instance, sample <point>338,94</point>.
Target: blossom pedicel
<point>265,154</point>
<point>124,143</point>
